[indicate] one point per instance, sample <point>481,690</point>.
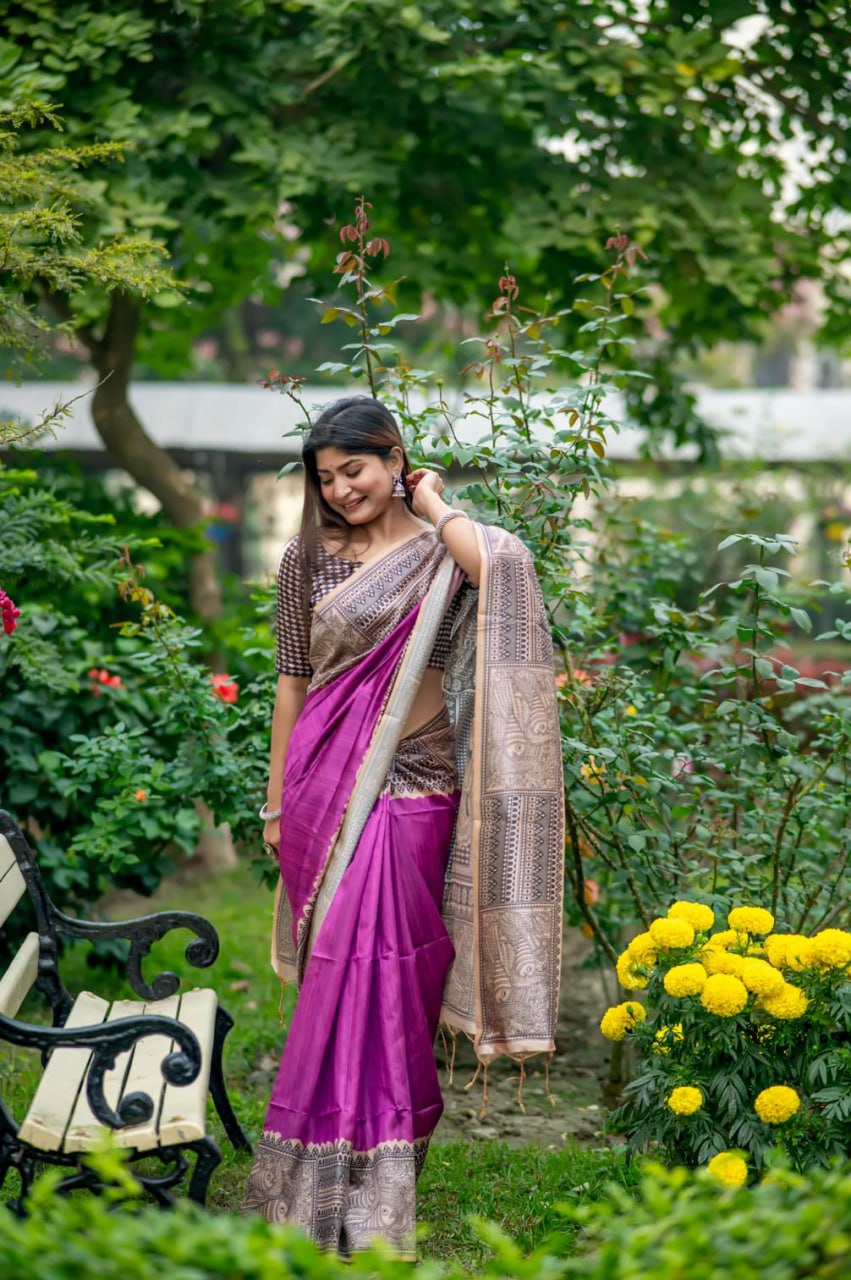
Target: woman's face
<point>358,486</point>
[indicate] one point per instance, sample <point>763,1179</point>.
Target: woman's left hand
<point>423,486</point>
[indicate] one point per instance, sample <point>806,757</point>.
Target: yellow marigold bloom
<point>724,995</point>
<point>760,978</point>
<point>685,1100</point>
<point>789,1002</point>
<point>777,1104</point>
<point>751,919</point>
<point>643,949</point>
<point>672,933</point>
<point>727,938</point>
<point>729,1169</point>
<point>630,978</point>
<point>666,1036</point>
<point>685,980</point>
<point>593,771</point>
<point>777,945</point>
<point>775,949</point>
<point>831,948</point>
<point>717,960</point>
<point>700,917</point>
<point>621,1019</point>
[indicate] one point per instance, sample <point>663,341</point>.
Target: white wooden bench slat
<point>145,1074</point>
<point>84,1127</point>
<point>13,886</point>
<point>7,856</point>
<point>16,982</point>
<point>184,1111</point>
<point>50,1110</point>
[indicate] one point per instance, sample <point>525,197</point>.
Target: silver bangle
<point>267,814</point>
<point>444,520</point>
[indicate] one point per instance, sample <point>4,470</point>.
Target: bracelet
<point>267,814</point>
<point>444,520</point>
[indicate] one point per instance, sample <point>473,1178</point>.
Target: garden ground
<point>557,1152</point>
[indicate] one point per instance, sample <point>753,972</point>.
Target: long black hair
<point>356,424</point>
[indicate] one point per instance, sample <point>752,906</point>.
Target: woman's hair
<point>357,424</point>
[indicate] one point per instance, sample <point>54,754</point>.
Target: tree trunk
<point>148,464</point>
<point>153,468</point>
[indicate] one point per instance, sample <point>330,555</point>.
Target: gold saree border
<point>340,1196</point>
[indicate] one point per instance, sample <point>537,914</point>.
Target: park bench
<point>141,1068</point>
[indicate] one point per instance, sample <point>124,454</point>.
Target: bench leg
<point>232,1127</point>
<point>208,1157</point>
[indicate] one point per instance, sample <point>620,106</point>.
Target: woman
<point>416,734</point>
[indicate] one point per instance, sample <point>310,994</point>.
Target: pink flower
<point>683,764</point>
<point>10,613</point>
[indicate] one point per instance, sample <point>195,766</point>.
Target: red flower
<point>10,613</point>
<point>101,676</point>
<point>224,688</point>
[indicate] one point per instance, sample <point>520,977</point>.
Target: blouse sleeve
<point>292,633</point>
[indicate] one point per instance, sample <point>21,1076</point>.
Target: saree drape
<point>421,878</point>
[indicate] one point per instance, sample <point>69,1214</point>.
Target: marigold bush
<point>740,1050</point>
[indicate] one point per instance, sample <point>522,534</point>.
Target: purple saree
<point>372,849</point>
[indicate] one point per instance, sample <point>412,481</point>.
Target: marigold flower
<point>631,978</point>
<point>685,980</point>
<point>593,771</point>
<point>789,950</point>
<point>777,1104</point>
<point>669,934</point>
<point>831,948</point>
<point>621,1019</point>
<point>224,688</point>
<point>788,1003</point>
<point>728,938</point>
<point>141,795</point>
<point>799,952</point>
<point>717,960</point>
<point>729,1169</point>
<point>760,978</point>
<point>642,948</point>
<point>724,995</point>
<point>699,916</point>
<point>665,1037</point>
<point>751,919</point>
<point>684,1100</point>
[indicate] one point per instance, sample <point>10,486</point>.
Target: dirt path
<point>577,1072</point>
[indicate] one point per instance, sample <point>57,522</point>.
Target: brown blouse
<point>292,632</point>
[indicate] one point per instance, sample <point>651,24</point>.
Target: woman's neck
<point>396,524</point>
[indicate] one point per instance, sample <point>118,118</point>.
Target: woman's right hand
<point>272,833</point>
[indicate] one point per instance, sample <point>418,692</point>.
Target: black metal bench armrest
<point>142,933</point>
<point>106,1040</point>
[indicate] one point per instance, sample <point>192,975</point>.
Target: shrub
<point>789,1227</point>
<point>745,1041</point>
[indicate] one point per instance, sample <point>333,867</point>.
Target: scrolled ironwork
<point>142,932</point>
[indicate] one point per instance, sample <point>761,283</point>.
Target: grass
<point>516,1187</point>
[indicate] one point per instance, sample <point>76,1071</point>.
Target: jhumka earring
<point>398,486</point>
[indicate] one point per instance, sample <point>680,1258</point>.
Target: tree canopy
<point>712,131</point>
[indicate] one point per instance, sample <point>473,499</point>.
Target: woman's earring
<point>398,486</point>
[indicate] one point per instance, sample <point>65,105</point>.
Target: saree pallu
<point>373,845</point>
